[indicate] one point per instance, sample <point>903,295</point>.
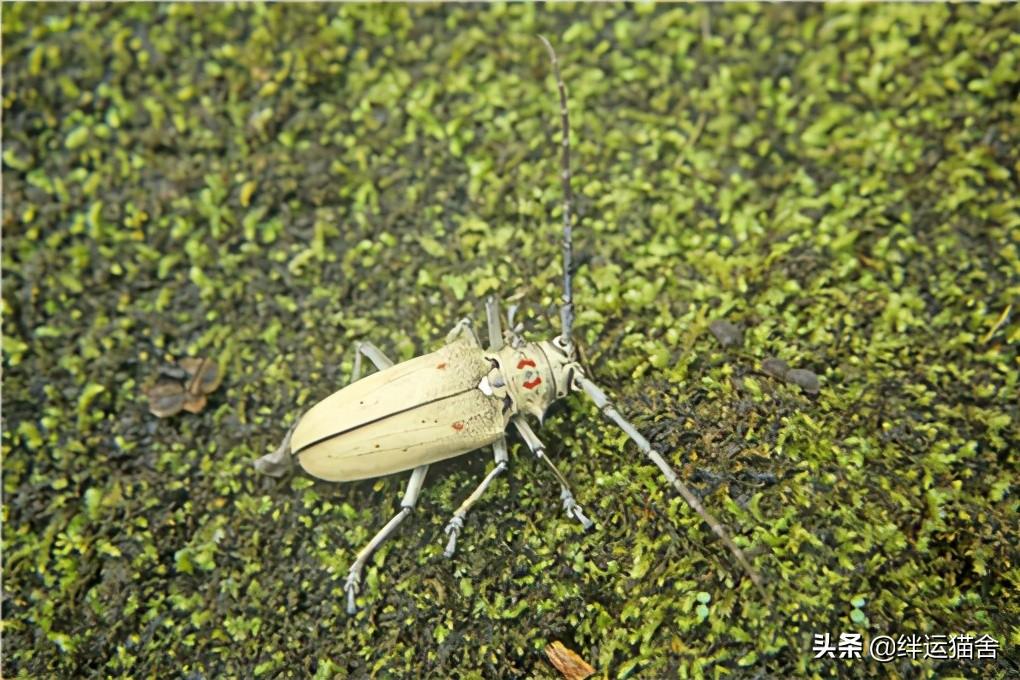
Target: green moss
<point>268,185</point>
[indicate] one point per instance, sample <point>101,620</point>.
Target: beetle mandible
<point>458,399</point>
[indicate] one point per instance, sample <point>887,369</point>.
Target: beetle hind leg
<point>353,582</point>
<point>279,462</point>
<point>456,523</point>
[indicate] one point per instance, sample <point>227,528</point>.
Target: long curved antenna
<point>606,407</point>
<point>567,308</point>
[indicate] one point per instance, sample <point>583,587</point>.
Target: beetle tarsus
<point>574,510</point>
<point>452,530</point>
<point>535,444</point>
<point>279,462</point>
<point>352,585</point>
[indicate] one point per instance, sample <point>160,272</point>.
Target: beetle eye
<point>507,403</point>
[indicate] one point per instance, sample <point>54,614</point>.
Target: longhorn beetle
<point>455,400</point>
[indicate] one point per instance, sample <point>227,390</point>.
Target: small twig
<point>698,127</point>
<point>998,324</point>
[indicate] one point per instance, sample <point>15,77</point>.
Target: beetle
<point>455,400</point>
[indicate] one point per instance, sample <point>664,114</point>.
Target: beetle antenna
<point>567,307</point>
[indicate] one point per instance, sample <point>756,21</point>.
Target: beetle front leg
<point>353,582</point>
<point>535,444</point>
<point>456,523</point>
<point>279,462</point>
<point>607,408</point>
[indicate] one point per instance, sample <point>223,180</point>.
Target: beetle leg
<point>495,326</point>
<point>374,354</point>
<point>279,462</point>
<point>406,505</point>
<point>607,408</point>
<point>535,444</point>
<point>462,328</point>
<point>457,521</point>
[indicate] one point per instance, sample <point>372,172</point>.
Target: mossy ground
<point>267,185</point>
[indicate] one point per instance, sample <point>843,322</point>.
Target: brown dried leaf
<point>183,387</point>
<point>204,374</point>
<point>166,399</point>
<point>194,403</point>
<point>173,372</point>
<point>567,662</point>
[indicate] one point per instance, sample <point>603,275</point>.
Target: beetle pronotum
<point>455,400</point>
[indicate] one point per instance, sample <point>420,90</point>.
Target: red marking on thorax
<point>532,384</point>
<point>441,366</point>
<point>458,426</point>
<point>525,362</point>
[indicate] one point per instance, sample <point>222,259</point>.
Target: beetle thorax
<point>533,376</point>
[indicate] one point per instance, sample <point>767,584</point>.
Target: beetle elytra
<point>457,399</point>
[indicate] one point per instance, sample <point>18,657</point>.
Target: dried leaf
<point>166,399</point>
<point>567,662</point>
<point>183,387</point>
<point>194,403</point>
<point>204,374</point>
<point>174,372</point>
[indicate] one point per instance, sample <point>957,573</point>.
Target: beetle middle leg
<point>499,449</point>
<point>411,494</point>
<point>456,523</point>
<point>535,444</point>
<point>279,462</point>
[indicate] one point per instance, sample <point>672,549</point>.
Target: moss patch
<point>266,185</point>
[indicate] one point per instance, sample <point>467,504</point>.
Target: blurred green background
<point>266,185</point>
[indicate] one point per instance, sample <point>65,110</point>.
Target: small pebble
<point>777,368</point>
<point>726,333</point>
<point>807,380</point>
